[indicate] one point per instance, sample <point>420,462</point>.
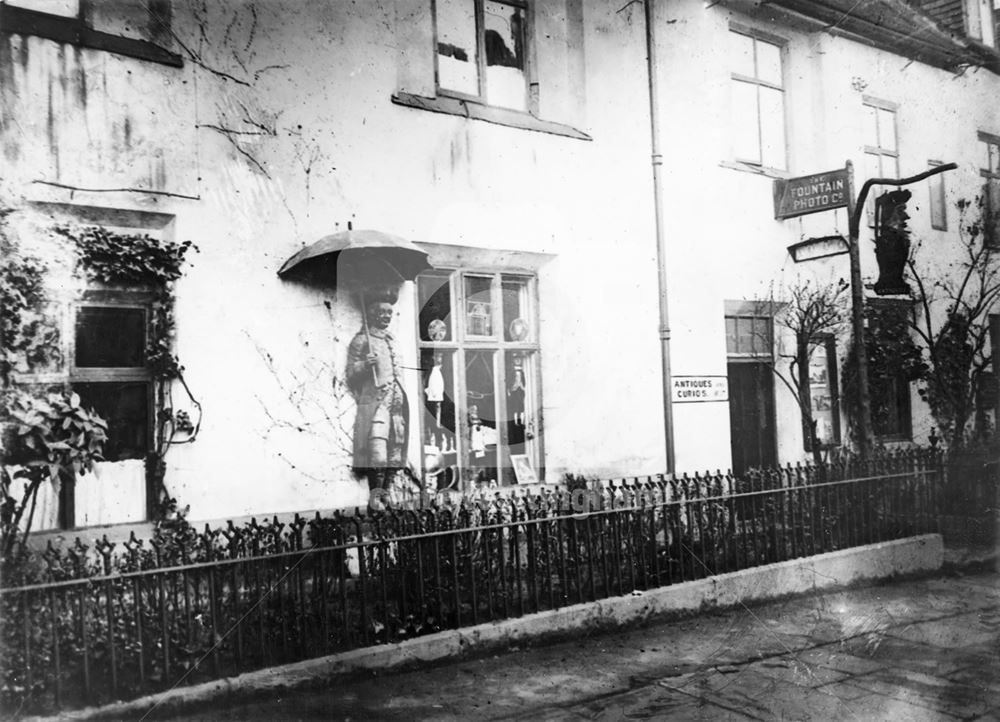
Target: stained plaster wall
<point>280,129</point>
<point>724,240</point>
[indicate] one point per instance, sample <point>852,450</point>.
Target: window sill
<point>487,113</point>
<point>772,173</point>
<point>21,21</point>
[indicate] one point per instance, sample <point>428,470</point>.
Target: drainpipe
<point>661,244</point>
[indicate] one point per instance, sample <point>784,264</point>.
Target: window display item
<point>437,330</point>
<point>518,329</point>
<point>435,383</point>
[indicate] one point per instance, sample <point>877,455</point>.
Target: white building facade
<point>511,141</point>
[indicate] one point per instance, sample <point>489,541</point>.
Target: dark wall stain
<point>23,53</point>
<point>50,130</point>
<point>80,75</point>
<point>127,128</point>
<point>63,80</point>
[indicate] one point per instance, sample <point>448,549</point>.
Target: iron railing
<point>192,607</point>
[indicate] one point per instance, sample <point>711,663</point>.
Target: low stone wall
<point>833,570</point>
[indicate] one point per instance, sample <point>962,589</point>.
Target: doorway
<point>751,415</point>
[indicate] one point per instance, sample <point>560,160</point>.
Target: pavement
<point>926,649</point>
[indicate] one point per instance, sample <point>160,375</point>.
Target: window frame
<point>77,31</point>
<point>975,30</point>
<point>903,410</point>
<point>937,198</point>
<point>758,36</point>
<point>736,355</point>
<point>991,216</point>
<point>828,342</point>
<point>879,151</point>
<point>460,342</point>
<point>481,98</point>
<point>131,298</point>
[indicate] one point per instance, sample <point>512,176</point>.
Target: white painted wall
<point>261,353</point>
<point>318,143</point>
<point>724,240</point>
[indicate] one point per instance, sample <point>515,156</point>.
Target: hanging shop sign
<point>688,389</point>
<point>811,193</point>
<point>812,248</point>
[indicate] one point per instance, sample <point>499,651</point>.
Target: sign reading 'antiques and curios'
<point>811,193</point>
<point>687,389</point>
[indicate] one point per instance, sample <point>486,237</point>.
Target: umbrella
<point>361,258</point>
<point>364,256</point>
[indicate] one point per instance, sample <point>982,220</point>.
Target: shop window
<point>482,51</point>
<point>758,100</point>
<point>989,169</point>
<point>480,420</point>
<point>135,29</point>
<point>938,203</point>
<point>824,393</point>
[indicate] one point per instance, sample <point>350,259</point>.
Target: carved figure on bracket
<point>892,242</point>
<point>375,379</point>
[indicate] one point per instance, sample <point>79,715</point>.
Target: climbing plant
<point>28,337</point>
<point>955,300</point>
<point>46,435</point>
<point>153,264</point>
<point>892,355</point>
<point>137,259</point>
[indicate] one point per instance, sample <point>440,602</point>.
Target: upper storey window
<point>989,169</point>
<point>982,18</point>
<point>133,29</point>
<point>482,51</point>
<point>758,94</point>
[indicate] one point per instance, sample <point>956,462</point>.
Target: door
<point>751,416</point>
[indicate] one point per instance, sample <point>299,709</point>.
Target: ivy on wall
<point>892,353</point>
<point>137,260</point>
<point>28,336</point>
<point>43,428</point>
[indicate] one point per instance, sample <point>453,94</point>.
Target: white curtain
<point>114,493</point>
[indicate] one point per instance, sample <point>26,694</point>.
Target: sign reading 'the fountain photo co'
<point>811,193</point>
<point>687,389</point>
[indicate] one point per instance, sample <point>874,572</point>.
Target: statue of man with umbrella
<point>374,264</point>
<point>373,375</point>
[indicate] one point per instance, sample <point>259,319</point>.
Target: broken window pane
<point>504,35</point>
<point>456,46</point>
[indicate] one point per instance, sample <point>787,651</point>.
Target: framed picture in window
<point>522,469</point>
